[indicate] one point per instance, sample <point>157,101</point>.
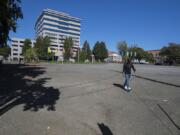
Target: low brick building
<point>155,53</point>
<point>158,59</point>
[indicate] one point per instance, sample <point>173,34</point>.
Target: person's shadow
<point>120,86</point>
<point>104,129</point>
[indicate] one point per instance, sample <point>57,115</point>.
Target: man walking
<point>128,65</point>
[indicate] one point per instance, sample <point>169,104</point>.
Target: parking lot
<point>88,99</point>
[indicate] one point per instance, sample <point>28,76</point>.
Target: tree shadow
<point>104,129</point>
<point>19,84</point>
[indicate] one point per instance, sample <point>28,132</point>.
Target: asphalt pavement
<point>88,99</point>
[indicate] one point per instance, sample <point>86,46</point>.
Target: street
<point>88,99</point>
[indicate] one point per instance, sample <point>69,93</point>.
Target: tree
<point>38,46</point>
<point>26,46</point>
<point>30,55</point>
<point>149,57</point>
<point>82,56</point>
<point>10,12</point>
<point>122,48</point>
<point>5,51</point>
<point>100,51</point>
<point>86,50</point>
<point>137,52</point>
<point>41,47</point>
<point>171,52</point>
<point>68,44</point>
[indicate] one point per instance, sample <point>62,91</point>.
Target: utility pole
<point>92,58</point>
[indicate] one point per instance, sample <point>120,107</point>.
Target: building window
<point>74,34</point>
<point>61,27</point>
<point>62,23</point>
<point>54,45</point>
<point>15,49</point>
<point>52,37</point>
<point>53,49</point>
<point>14,45</point>
<point>15,41</point>
<point>21,41</point>
<point>50,34</point>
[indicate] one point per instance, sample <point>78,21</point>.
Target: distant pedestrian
<point>128,65</point>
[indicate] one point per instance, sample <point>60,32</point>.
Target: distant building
<point>155,53</point>
<point>16,48</point>
<point>113,57</point>
<point>158,59</point>
<point>57,26</point>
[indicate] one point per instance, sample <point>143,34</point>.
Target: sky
<point>151,24</point>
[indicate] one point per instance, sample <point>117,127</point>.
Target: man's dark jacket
<point>127,68</point>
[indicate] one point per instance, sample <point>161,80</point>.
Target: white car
<point>144,62</point>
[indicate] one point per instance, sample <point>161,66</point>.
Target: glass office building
<point>57,26</point>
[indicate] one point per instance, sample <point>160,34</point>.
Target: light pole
<point>92,58</point>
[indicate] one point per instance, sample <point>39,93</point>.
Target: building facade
<point>57,26</point>
<point>16,48</point>
<point>155,53</point>
<point>113,57</point>
<point>158,59</point>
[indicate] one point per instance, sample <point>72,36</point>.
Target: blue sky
<point>149,23</point>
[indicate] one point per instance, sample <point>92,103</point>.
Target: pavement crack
<point>168,116</point>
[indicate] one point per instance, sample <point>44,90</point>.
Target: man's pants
<point>127,78</point>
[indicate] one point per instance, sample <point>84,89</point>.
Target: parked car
<point>108,60</point>
<point>144,62</point>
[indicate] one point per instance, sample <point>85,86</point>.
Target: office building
<point>57,26</point>
<point>16,48</point>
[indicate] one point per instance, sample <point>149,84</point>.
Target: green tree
<point>100,51</point>
<point>30,55</point>
<point>137,52</point>
<point>171,52</point>
<point>10,12</point>
<point>5,51</point>
<point>41,47</point>
<point>38,46</point>
<point>149,57</point>
<point>87,50</point>
<point>82,56</point>
<point>122,48</point>
<point>140,53</point>
<point>68,44</point>
<point>26,46</point>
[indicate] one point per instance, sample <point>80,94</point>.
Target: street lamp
<point>92,56</point>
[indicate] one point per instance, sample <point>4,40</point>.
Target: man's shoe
<point>125,87</point>
<point>129,88</point>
